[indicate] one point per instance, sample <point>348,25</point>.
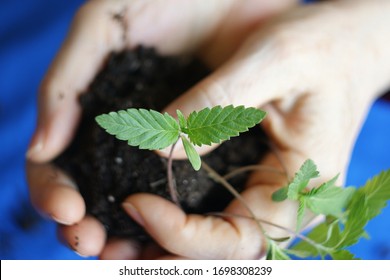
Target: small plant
<point>151,130</point>
<point>346,210</point>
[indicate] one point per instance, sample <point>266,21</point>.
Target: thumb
<point>79,59</point>
<point>55,127</point>
<point>193,236</point>
<point>246,79</point>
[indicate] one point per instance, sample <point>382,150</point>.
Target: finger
<point>90,39</point>
<point>56,126</point>
<point>86,238</point>
<point>242,19</point>
<point>152,251</point>
<point>195,236</point>
<point>124,249</point>
<point>54,194</point>
<point>250,78</point>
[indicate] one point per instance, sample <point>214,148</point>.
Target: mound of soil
<point>107,170</point>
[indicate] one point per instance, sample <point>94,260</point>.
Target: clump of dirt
<point>107,170</point>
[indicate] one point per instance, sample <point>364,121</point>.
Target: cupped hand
<point>214,30</point>
<point>315,70</point>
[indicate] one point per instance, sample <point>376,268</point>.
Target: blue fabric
<point>31,32</point>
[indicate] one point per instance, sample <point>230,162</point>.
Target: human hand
<point>315,71</point>
<point>100,27</point>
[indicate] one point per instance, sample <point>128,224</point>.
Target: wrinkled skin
<point>310,67</point>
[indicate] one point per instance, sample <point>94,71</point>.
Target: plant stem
<point>171,181</point>
<point>292,232</point>
<point>219,179</point>
<point>276,152</point>
<point>254,167</point>
<point>295,234</point>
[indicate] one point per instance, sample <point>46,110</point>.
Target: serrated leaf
<point>343,255</point>
<point>377,191</point>
<point>280,194</point>
<point>328,238</point>
<point>147,129</point>
<point>307,172</point>
<point>191,153</point>
<point>329,200</point>
<point>274,252</point>
<point>328,184</point>
<point>356,221</point>
<point>366,203</point>
<point>218,124</point>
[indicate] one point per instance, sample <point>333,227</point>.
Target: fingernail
<point>60,221</point>
<point>69,245</point>
<point>81,255</point>
<point>36,146</point>
<point>133,212</point>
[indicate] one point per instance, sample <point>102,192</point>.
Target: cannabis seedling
<point>151,130</point>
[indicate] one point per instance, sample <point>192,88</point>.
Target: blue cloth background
<point>31,32</point>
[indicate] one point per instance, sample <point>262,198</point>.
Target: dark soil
<point>107,170</point>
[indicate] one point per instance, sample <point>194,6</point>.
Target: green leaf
<point>366,203</point>
<point>191,153</point>
<point>377,192</point>
<point>328,199</point>
<point>343,255</point>
<point>341,229</point>
<point>274,252</point>
<point>218,124</point>
<point>147,129</point>
<point>280,194</point>
<point>356,221</point>
<point>323,239</point>
<point>182,120</point>
<point>307,172</point>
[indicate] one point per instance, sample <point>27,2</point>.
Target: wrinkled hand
<point>310,69</point>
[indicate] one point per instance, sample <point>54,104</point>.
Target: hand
<point>100,27</point>
<point>312,71</point>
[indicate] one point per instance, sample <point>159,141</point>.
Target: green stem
<point>279,157</point>
<point>171,181</point>
<point>295,234</point>
<point>255,167</point>
<point>219,179</point>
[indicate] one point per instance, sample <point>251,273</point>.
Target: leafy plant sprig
<point>347,211</point>
<point>151,130</point>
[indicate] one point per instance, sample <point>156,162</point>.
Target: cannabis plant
<point>346,210</point>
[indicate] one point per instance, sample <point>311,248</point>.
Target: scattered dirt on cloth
<point>107,170</point>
